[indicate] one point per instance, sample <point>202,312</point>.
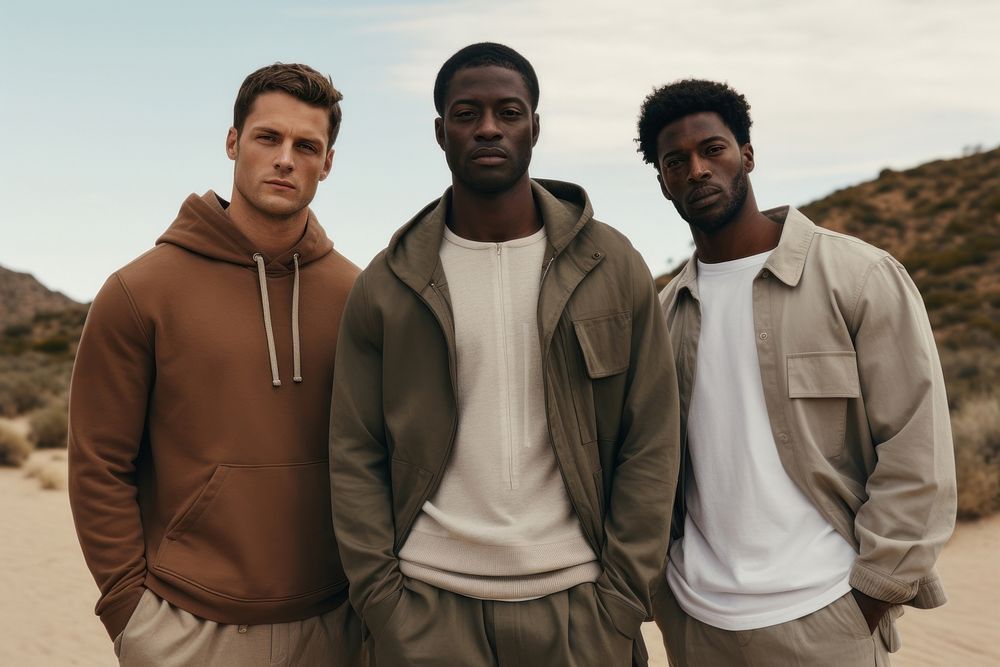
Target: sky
<point>113,112</point>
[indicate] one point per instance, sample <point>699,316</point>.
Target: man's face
<point>488,128</point>
<point>281,155</point>
<point>703,170</point>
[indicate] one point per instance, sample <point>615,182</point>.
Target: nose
<point>488,129</point>
<point>283,161</point>
<point>698,170</point>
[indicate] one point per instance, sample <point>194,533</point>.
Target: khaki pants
<point>837,635</point>
<point>427,626</point>
<point>160,634</point>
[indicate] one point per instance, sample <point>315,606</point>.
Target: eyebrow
<point>271,130</point>
<point>504,100</point>
<point>715,137</point>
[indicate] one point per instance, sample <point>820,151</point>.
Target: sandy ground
<point>47,595</point>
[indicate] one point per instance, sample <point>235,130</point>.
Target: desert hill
<point>22,297</point>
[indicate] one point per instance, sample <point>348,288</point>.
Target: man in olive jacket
<point>504,427</point>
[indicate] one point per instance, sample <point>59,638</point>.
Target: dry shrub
<point>14,447</point>
<point>48,427</point>
<point>51,477</point>
<point>976,427</point>
<point>33,469</point>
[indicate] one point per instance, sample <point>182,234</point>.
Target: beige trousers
<point>160,634</point>
<point>432,627</point>
<point>835,636</point>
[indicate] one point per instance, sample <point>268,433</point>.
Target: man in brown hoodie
<point>199,408</point>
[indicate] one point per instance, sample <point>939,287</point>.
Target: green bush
<point>49,426</point>
<point>976,427</point>
<point>14,447</point>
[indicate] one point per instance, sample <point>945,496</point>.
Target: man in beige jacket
<point>817,483</point>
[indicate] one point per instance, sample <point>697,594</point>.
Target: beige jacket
<point>855,397</point>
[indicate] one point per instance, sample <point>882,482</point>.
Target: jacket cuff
<point>930,593</point>
<point>625,616</point>
<point>881,586</point>
<point>115,616</point>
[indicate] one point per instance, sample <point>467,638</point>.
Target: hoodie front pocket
<point>819,386</point>
<point>256,533</point>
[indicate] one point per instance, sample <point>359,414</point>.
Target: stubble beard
<point>738,189</point>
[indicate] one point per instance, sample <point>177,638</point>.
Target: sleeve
<point>910,510</point>
<point>112,377</point>
<point>360,482</point>
<point>637,523</point>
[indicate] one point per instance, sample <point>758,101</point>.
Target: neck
<point>750,233</point>
<point>494,217</point>
<point>270,234</point>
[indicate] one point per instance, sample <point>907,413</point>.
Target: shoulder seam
<point>134,308</point>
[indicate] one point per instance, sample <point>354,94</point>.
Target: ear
<point>746,151</point>
<point>439,131</point>
<point>327,165</point>
<point>232,139</point>
<point>663,187</point>
<point>536,127</point>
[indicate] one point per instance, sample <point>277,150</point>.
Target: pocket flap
<point>823,375</point>
<point>605,342</point>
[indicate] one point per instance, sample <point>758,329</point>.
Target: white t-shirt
<point>500,526</point>
<point>755,551</point>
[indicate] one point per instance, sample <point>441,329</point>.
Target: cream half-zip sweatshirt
<point>500,526</point>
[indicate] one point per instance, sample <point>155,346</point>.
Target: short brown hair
<point>300,81</point>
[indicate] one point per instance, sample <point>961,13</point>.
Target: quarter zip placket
<point>505,338</point>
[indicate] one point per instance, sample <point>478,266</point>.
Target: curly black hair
<point>485,54</point>
<point>683,98</point>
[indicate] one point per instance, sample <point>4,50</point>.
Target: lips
<point>489,155</point>
<point>285,185</point>
<point>703,196</point>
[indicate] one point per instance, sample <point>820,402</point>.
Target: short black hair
<point>484,54</point>
<point>683,98</point>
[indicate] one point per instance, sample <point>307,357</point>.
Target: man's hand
<point>872,609</point>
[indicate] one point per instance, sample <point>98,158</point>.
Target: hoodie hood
<point>203,227</point>
<point>412,253</point>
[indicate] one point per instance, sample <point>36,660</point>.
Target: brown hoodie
<point>198,465</point>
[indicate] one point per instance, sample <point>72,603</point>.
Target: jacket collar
<point>413,253</point>
<point>786,262</point>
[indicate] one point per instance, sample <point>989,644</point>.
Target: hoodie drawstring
<point>268,329</point>
<point>266,305</point>
<point>296,360</point>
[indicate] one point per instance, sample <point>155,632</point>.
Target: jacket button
<point>596,255</point>
<point>242,629</point>
<point>783,437</point>
<point>765,273</point>
<point>763,335</point>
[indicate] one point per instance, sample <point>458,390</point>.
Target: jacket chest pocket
<point>605,342</point>
<point>819,386</point>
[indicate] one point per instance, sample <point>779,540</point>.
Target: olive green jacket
<point>610,401</point>
<point>855,397</point>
